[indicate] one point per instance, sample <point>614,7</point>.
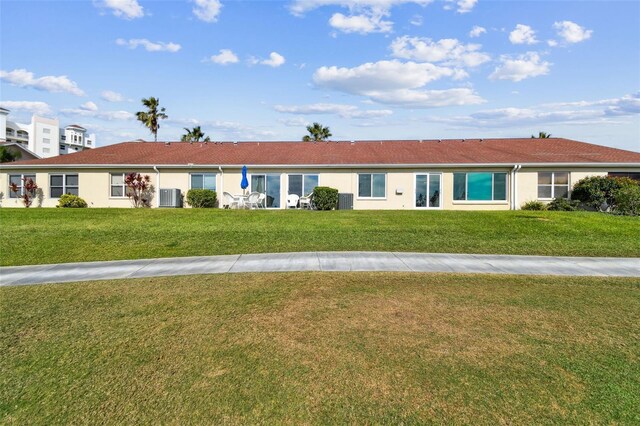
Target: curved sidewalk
<point>322,261</point>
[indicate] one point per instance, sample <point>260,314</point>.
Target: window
<point>553,185</point>
<point>46,131</point>
<point>302,185</point>
<point>630,175</point>
<point>118,187</point>
<point>372,185</point>
<point>18,180</point>
<point>480,186</point>
<point>46,140</point>
<point>62,147</point>
<point>63,137</point>
<point>203,181</point>
<point>46,150</point>
<point>63,184</point>
<point>428,190</point>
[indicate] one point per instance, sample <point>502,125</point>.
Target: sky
<point>367,69</point>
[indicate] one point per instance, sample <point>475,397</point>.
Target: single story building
<point>468,174</point>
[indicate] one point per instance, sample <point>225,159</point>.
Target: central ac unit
<point>170,198</point>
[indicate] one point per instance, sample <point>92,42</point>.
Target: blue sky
<point>368,69</point>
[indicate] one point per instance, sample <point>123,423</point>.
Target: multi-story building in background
<point>44,137</point>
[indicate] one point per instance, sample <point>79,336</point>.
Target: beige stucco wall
<point>94,184</point>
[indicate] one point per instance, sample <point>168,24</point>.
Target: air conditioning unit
<point>345,201</point>
<point>170,198</point>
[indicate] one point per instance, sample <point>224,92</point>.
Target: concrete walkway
<point>322,261</point>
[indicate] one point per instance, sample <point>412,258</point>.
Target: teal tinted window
<point>421,190</point>
<point>364,185</point>
<point>434,191</point>
<point>479,186</point>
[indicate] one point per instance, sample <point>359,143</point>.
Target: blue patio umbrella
<point>244,184</point>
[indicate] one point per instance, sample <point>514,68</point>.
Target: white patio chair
<point>292,201</point>
<point>261,200</point>
<point>305,202</point>
<point>230,200</point>
<point>252,200</point>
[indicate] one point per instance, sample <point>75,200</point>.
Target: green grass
<point>322,348</point>
<point>36,236</point>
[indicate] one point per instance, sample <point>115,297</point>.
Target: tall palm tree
<point>194,135</point>
<point>151,117</point>
<point>542,135</point>
<point>317,132</point>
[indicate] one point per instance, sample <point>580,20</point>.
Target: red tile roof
<point>470,151</point>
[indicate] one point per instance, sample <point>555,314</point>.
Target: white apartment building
<point>44,137</point>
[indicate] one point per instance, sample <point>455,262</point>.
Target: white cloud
<point>89,106</point>
<point>477,31</point>
<point>149,46</point>
<point>111,96</point>
<point>578,113</point>
<point>294,122</point>
<point>396,83</point>
<point>127,9</point>
<point>341,110</point>
<point>572,32</point>
<point>34,107</point>
<point>275,60</point>
<point>102,115</point>
<point>523,34</point>
<point>517,69</point>
<point>449,51</point>
<point>226,56</point>
<point>361,24</point>
<point>416,20</point>
<point>365,16</point>
<point>207,10</point>
<point>49,83</point>
<point>465,6</point>
<point>552,43</point>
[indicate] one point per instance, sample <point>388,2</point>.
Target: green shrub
<point>202,198</point>
<point>534,205</point>
<point>563,205</point>
<point>626,200</point>
<point>597,191</point>
<point>325,198</point>
<point>71,201</point>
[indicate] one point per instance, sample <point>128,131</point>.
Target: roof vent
<point>167,143</point>
<point>481,140</point>
<point>235,142</point>
<point>420,140</point>
<point>462,140</point>
<point>353,142</point>
<point>439,140</point>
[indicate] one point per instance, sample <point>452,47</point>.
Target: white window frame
<point>553,185</point>
<point>415,186</point>
<point>21,186</point>
<point>372,197</point>
<point>466,188</point>
<point>124,186</point>
<point>215,177</point>
<point>64,183</point>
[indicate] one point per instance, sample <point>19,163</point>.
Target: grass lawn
<point>322,348</point>
<point>32,236</point>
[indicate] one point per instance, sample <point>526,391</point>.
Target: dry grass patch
<point>322,348</point>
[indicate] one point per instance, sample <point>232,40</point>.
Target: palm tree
<point>150,118</point>
<point>542,135</point>
<point>194,135</point>
<point>317,132</point>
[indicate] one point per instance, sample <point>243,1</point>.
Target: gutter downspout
<point>158,182</point>
<point>221,179</point>
<point>514,186</point>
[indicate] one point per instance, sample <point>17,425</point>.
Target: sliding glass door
<point>270,186</point>
<point>428,192</point>
<point>302,185</point>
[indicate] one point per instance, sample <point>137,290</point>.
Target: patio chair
<point>252,200</point>
<point>292,201</point>
<point>305,202</point>
<point>261,200</point>
<point>230,200</point>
